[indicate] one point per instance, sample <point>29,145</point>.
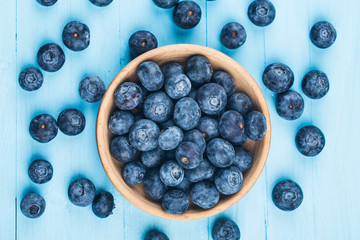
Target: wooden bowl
<point>180,53</point>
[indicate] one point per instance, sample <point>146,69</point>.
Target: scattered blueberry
<point>92,89</point>
<point>47,3</point>
<point>155,234</point>
<point>204,194</point>
<point>220,152</point>
<point>101,3</point>
<point>32,205</point>
<point>315,84</point>
<point>243,159</point>
<point>255,125</point>
<point>187,14</point>
<point>120,122</point>
<point>171,69</point>
<point>171,173</point>
<point>121,150</point>
<point>81,192</point>
<point>177,86</point>
<point>188,155</point>
<point>150,76</point>
<point>140,42</point>
<point>287,195</point>
<point>143,135</point>
<point>289,105</point>
<point>204,171</point>
<point>323,34</point>
<point>225,229</point>
<point>310,141</point>
<point>158,107</point>
<point>240,102</point>
<point>71,121</point>
<point>187,113</point>
<point>76,36</point>
<point>233,35</point>
<point>261,13</point>
<point>31,79</point>
<point>40,171</point>
<point>278,77</point>
<point>153,185</point>
<point>43,128</point>
<point>103,204</point>
<point>175,202</point>
<point>209,127</point>
<point>51,57</point>
<point>211,98</point>
<point>232,127</point>
<point>228,180</point>
<point>225,80</point>
<point>196,137</point>
<point>170,138</point>
<point>153,158</point>
<point>185,186</point>
<point>128,95</point>
<point>134,173</point>
<point>199,70</point>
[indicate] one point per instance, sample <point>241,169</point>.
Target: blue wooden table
<point>330,181</point>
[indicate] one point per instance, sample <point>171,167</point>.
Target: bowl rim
<point>103,151</point>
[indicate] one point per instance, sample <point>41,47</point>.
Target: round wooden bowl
<point>180,53</point>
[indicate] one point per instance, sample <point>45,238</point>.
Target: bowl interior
<point>180,53</point>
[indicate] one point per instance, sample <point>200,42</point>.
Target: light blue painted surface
<point>330,181</point>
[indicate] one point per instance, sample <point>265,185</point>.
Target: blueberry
<point>175,202</point>
<point>134,173</point>
<point>225,80</point>
<point>187,113</point>
<point>240,102</point>
<point>101,3</point>
<point>128,95</point>
<point>92,89</point>
<point>32,205</point>
<point>71,121</point>
<point>120,122</point>
<point>255,125</point>
<point>150,76</point>
<point>243,159</point>
<point>43,128</point>
<point>153,185</point>
<point>140,42</point>
<point>209,127</point>
<point>40,171</point>
<point>187,14</point>
<point>232,127</point>
<point>243,139</point>
<point>185,186</point>
<point>220,152</point>
<point>166,3</point>
<point>204,171</point>
<point>155,234</point>
<point>196,137</point>
<point>233,35</point>
<point>261,13</point>
<point>51,57</point>
<point>121,150</point>
<point>170,138</point>
<point>228,180</point>
<point>211,98</point>
<point>193,92</point>
<point>323,34</point>
<point>315,84</point>
<point>47,3</point>
<point>158,107</point>
<point>172,68</point>
<point>289,105</point>
<point>310,141</point>
<point>153,158</point>
<point>199,70</point>
<point>76,36</point>
<point>178,86</point>
<point>278,77</point>
<point>168,123</point>
<point>171,173</point>
<point>188,155</point>
<point>287,195</point>
<point>31,79</point>
<point>225,229</point>
<point>204,194</point>
<point>103,204</point>
<point>81,192</point>
<point>145,94</point>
